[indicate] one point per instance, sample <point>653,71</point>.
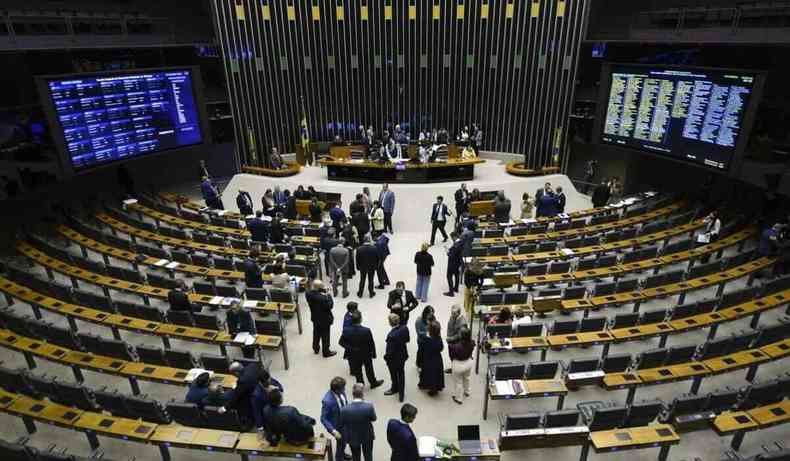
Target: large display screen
<point>695,115</point>
<point>119,116</point>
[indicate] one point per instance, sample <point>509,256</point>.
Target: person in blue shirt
<point>338,217</point>
<point>351,307</point>
<point>259,229</point>
<point>768,241</point>
<point>387,201</point>
<point>334,400</point>
<point>252,271</point>
<point>260,398</point>
<point>211,194</point>
<point>198,389</point>
<point>400,436</point>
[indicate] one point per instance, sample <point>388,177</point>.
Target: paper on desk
<point>703,238</point>
<point>215,300</point>
<point>195,372</point>
<point>130,201</point>
<point>509,223</point>
<point>266,218</point>
<point>161,262</point>
<point>244,338</point>
<point>228,301</point>
<point>427,446</point>
<point>567,251</point>
<point>505,388</point>
<point>249,216</point>
<point>250,303</point>
<point>304,223</point>
<point>172,265</point>
<point>529,220</point>
<point>221,212</point>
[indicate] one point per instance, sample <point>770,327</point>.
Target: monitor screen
<point>469,432</point>
<point>123,115</point>
<point>694,115</point>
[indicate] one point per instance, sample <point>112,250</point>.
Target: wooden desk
<point>42,410</point>
<point>174,435</point>
<point>543,438</point>
<point>250,444</point>
<point>532,388</point>
<point>738,423</point>
<point>93,424</point>
<point>489,451</point>
<point>291,168</point>
<point>634,438</point>
<point>407,172</point>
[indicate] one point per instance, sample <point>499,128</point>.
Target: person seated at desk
<point>179,299</point>
<point>261,400</point>
<point>504,316</point>
<point>216,397</point>
<point>275,160</point>
<point>316,213</point>
<point>286,423</point>
<point>277,230</point>
<point>239,320</point>
<point>198,389</point>
<point>244,202</point>
<point>521,318</point>
<point>401,301</point>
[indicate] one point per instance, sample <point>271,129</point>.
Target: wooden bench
<point>291,169</point>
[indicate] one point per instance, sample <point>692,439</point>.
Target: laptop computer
<point>469,440</point>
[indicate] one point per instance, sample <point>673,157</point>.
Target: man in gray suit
<point>356,423</point>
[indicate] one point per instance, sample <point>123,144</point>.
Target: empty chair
<point>15,380</point>
<point>490,299</point>
<point>200,259</point>
<point>542,370</point>
<point>179,359</point>
<point>536,269</point>
<point>207,321</point>
<point>181,257</point>
<point>478,252</point>
<point>643,413</point>
<point>649,252</point>
<point>204,288</point>
<point>215,363</point>
<point>161,281</point>
<point>217,240</point>
<point>518,231</point>
<point>147,409</point>
<point>227,291</point>
<point>561,226</point>
<point>549,293</point>
<point>681,354</point>
<point>631,256</point>
<point>187,414</point>
<point>564,327</point>
<point>538,228</point>
<point>128,309</point>
<point>227,421</point>
<point>684,310</point>
<point>651,358</point>
<point>591,240</point>
<point>41,385</point>
<point>587,263</point>
<point>183,318</point>
<point>516,297</point>
<point>151,354</point>
<point>686,404</point>
<point>239,244</point>
<point>200,237</point>
<point>654,281</point>
<point>578,223</point>
<point>123,273</point>
<point>624,320</point>
<point>498,250</point>
<point>547,246</point>
<point>526,249</point>
<point>573,243</point>
<point>153,251</point>
<point>616,363</point>
<point>722,400</point>
<point>607,418</point>
<point>764,393</point>
<point>716,348</point>
<point>628,233</point>
<point>277,295</point>
<point>112,402</point>
<point>74,395</point>
<point>225,264</point>
<point>579,292</point>
<point>607,260</point>
<point>604,289</point>
<point>592,324</point>
<point>256,294</point>
<point>701,270</point>
<point>117,349</point>
<point>151,313</point>
<point>559,267</point>
<point>89,341</point>
<point>507,370</point>
<point>653,316</point>
<point>561,418</point>
<point>733,298</point>
<point>676,247</point>
<point>626,285</point>
<point>529,330</point>
<point>269,325</point>
<point>62,337</point>
<point>18,452</point>
<point>92,300</point>
<point>582,365</point>
<point>529,420</point>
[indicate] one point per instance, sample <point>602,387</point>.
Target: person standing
<point>424,262</point>
<point>401,302</point>
<point>361,222</point>
<point>356,423</point>
<point>526,206</point>
<point>455,323</point>
<point>461,201</point>
<point>432,371</point>
<point>400,436</point>
<point>244,202</point>
<point>439,214</point>
<point>316,213</point>
<point>377,219</point>
<point>601,195</point>
<point>421,327</point>
<point>383,246</point>
<point>387,201</point>
<point>473,281</point>
<point>239,398</point>
<point>368,260</point>
<point>259,229</point>
<point>454,262</point>
<point>589,174</point>
<point>338,216</point>
<point>339,257</point>
<point>461,363</point>
<point>259,399</point>
<point>252,271</point>
<point>358,342</point>
<point>239,320</point>
<point>333,402</point>
<point>320,304</point>
<point>396,355</point>
<point>366,199</point>
<point>502,208</point>
<point>210,194</point>
<point>560,200</point>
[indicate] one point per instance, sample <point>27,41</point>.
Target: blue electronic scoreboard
<point>120,116</point>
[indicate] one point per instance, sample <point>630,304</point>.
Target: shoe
<point>444,240</point>
<point>330,354</point>
<point>466,394</point>
<point>449,293</point>
<point>372,294</point>
<point>457,401</point>
<point>359,294</point>
<point>448,371</point>
<point>376,384</point>
<point>433,393</point>
<point>345,295</point>
<point>315,351</point>
<point>347,457</point>
<point>390,392</point>
<point>380,287</point>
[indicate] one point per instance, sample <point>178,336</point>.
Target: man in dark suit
<point>400,436</point>
<point>439,214</point>
<point>252,271</point>
<point>560,200</point>
<point>601,194</point>
<point>285,422</point>
<point>321,305</point>
<point>240,397</point>
<point>401,302</point>
<point>179,299</point>
<point>244,202</point>
<point>396,355</point>
<point>368,260</point>
<point>358,343</point>
<point>334,400</point>
<point>361,222</point>
<point>258,228</point>
<point>356,423</point>
<point>260,398</point>
<point>461,201</point>
<point>239,320</point>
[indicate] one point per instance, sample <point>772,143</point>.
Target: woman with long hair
<point>432,371</point>
<point>421,328</point>
<point>461,363</point>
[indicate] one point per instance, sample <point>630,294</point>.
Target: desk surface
<point>192,437</point>
<point>250,443</point>
<point>634,438</point>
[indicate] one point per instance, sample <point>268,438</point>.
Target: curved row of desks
<point>116,322</point>
<point>94,424</point>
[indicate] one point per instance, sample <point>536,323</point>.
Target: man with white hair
<point>455,324</point>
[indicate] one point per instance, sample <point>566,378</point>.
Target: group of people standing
<point>548,202</point>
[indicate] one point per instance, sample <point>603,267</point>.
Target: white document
<point>244,338</point>
<point>426,446</point>
<point>161,262</point>
<point>229,301</point>
<point>215,300</point>
<point>249,216</point>
<point>504,388</point>
<point>586,375</point>
<point>567,430</point>
<point>130,201</point>
<point>195,372</point>
<point>222,212</point>
<point>529,220</point>
<point>250,303</point>
<point>266,218</point>
<point>703,238</point>
<point>567,251</point>
<point>524,433</point>
<point>304,223</point>
<point>172,265</point>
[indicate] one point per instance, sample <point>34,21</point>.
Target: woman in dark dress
<point>432,372</point>
<point>421,328</point>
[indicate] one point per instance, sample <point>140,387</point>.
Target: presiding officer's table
<point>407,172</point>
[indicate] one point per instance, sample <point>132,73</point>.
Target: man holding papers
<point>240,321</point>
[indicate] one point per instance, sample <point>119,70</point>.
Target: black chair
<point>765,393</point>
<point>573,243</point>
<point>654,281</point>
<point>200,237</point>
<point>547,246</point>
<point>651,358</point>
<point>516,297</point>
<point>207,321</point>
<point>684,405</point>
<point>643,413</point>
<point>181,257</point>
<point>200,259</point>
<point>733,298</point>
<point>722,400</point>
<point>147,409</point>
<point>559,267</point>
<point>225,264</point>
<point>529,420</point>
<point>582,365</point>
<point>129,309</point>
<point>256,294</point>
<point>579,292</point>
<point>162,281</point>
<point>604,289</point>
<point>626,285</point>
<point>653,316</point>
<point>526,249</point>
<point>607,418</point>
<point>180,359</point>
<point>183,318</point>
<point>716,348</point>
<point>74,395</point>
<point>607,260</point>
<point>227,421</point>
<point>117,349</point>
<point>624,320</point>
<point>92,300</point>
<point>498,250</point>
<point>18,452</point>
<point>227,291</point>
<point>112,402</point>
<point>682,311</point>
<point>123,273</point>
<point>587,264</point>
<point>592,324</point>
<point>542,370</point>
<point>151,313</point>
<point>561,418</point>
<point>490,299</point>
<point>478,252</point>
<point>204,288</point>
<point>631,256</point>
<point>187,414</point>
<point>215,363</point>
<point>277,295</point>
<point>16,381</point>
<point>616,363</point>
<point>536,269</point>
<point>681,354</point>
<point>564,327</point>
<point>151,354</point>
